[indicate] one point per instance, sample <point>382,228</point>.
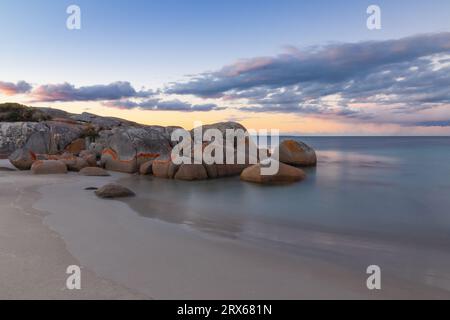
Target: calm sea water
<point>382,187</point>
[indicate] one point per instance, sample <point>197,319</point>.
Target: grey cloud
<point>156,104</point>
<point>327,64</point>
<point>176,105</point>
<point>67,92</point>
<point>10,88</point>
<point>400,74</point>
<point>436,123</point>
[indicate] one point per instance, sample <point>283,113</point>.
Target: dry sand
<point>50,222</point>
<point>34,259</point>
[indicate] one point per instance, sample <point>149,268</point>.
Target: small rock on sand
<point>94,172</point>
<point>113,190</point>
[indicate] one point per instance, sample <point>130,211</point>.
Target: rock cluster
<point>90,144</point>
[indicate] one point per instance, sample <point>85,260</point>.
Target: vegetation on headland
<point>90,132</point>
<point>15,112</point>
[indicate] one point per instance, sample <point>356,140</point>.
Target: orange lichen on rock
<point>76,146</point>
<point>148,155</point>
<point>111,153</point>
<point>291,145</point>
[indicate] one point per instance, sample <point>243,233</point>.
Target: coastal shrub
<point>15,112</point>
<point>89,132</point>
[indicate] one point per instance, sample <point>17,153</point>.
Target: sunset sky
<point>304,67</point>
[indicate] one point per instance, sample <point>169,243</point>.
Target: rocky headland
<point>51,141</point>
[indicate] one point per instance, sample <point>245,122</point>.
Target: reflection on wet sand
<point>180,212</point>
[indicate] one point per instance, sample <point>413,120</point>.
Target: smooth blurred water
<point>385,187</point>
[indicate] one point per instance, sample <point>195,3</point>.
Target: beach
<point>226,151</point>
<point>166,244</point>
<point>34,259</point>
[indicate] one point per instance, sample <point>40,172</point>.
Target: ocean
<point>380,186</point>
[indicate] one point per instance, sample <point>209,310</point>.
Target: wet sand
<point>50,222</point>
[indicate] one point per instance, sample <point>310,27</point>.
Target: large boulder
<point>14,135</point>
<point>94,172</point>
<point>173,169</point>
<point>285,174</point>
<point>90,157</point>
<point>101,122</point>
<point>149,144</point>
<point>48,167</point>
<point>53,137</point>
<point>48,137</point>
<point>224,170</point>
<point>222,127</point>
<point>160,168</point>
<point>234,168</point>
<point>100,143</point>
<point>164,168</point>
<point>113,190</point>
<point>190,172</point>
<point>239,152</point>
<point>22,159</point>
<point>296,153</point>
<point>63,134</point>
<point>41,142</point>
<point>165,131</point>
<point>128,148</point>
<point>54,113</point>
<point>96,148</point>
<point>146,168</point>
<point>75,163</point>
<point>76,146</point>
<point>112,161</point>
<point>168,132</point>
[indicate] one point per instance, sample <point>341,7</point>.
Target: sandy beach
<point>34,259</point>
<point>51,222</point>
<point>225,150</point>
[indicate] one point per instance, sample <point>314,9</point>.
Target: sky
<point>304,67</point>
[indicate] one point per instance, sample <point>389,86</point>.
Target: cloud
<point>146,104</point>
<point>404,75</point>
<point>119,95</point>
<point>10,89</point>
<point>325,64</point>
<point>436,123</point>
<point>177,105</point>
<point>160,105</point>
<point>67,92</point>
